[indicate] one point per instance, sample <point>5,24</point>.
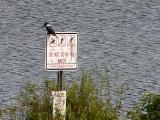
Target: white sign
<point>61,51</point>
<point>59,103</point>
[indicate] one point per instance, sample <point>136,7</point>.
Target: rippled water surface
<point>123,35</point>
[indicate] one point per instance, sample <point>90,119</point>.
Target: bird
<point>49,29</point>
<point>62,39</point>
<point>53,41</point>
<point>71,39</point>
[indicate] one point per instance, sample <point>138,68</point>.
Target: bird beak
<point>42,26</point>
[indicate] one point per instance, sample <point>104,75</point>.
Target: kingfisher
<point>49,29</point>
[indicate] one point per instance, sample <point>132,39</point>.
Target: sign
<point>61,51</point>
<point>59,102</point>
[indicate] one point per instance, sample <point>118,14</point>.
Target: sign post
<point>61,54</point>
<point>59,79</point>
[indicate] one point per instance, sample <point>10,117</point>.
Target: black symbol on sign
<point>53,42</point>
<point>71,41</point>
<point>62,41</point>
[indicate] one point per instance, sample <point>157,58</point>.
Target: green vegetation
<point>38,106</point>
<point>84,100</point>
<point>87,99</point>
<point>8,110</point>
<point>148,108</point>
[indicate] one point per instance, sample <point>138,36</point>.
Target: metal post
<point>59,80</point>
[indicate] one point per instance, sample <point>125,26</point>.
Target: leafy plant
<point>88,99</point>
<point>0,113</point>
<point>148,108</point>
<point>37,106</point>
<point>84,103</point>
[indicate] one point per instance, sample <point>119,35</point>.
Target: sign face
<point>61,51</point>
<point>59,102</point>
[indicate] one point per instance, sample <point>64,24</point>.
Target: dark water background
<point>123,35</point>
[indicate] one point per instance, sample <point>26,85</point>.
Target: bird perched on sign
<point>49,29</point>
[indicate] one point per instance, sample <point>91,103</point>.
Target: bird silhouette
<point>49,29</point>
<point>71,39</point>
<point>53,41</point>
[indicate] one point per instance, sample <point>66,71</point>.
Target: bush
<point>84,103</point>
<point>148,108</point>
<point>37,106</point>
<point>88,99</point>
<point>0,113</point>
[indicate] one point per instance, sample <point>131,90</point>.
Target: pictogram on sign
<point>61,51</point>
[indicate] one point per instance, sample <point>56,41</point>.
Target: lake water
<point>122,35</point>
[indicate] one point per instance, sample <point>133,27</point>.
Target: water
<point>120,34</point>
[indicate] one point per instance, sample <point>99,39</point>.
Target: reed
<point>88,98</point>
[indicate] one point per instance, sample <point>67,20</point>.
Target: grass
<point>84,102</point>
<point>88,99</point>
